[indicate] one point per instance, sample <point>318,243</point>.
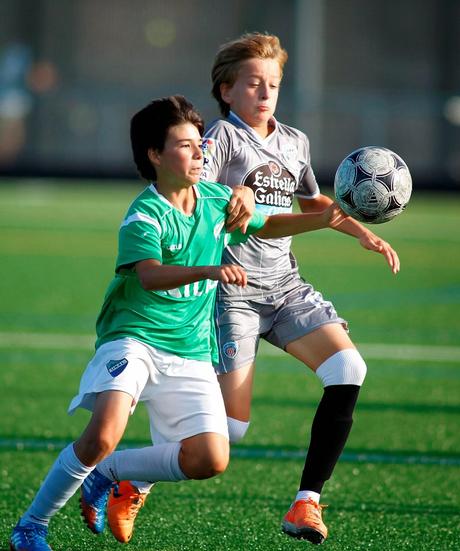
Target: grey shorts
<point>279,320</point>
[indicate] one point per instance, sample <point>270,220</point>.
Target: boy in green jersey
<point>155,332</point>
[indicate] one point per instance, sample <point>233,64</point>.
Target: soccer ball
<point>373,185</point>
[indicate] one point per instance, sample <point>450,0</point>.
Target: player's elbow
<point>146,283</point>
<point>149,281</point>
<point>148,272</point>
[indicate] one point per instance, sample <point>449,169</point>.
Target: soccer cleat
<point>29,537</point>
<point>93,500</point>
<point>303,521</point>
<point>125,502</point>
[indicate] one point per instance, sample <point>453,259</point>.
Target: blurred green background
<point>360,72</point>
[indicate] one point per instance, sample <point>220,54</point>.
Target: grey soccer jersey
<point>275,168</point>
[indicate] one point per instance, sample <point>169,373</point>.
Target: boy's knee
<point>93,449</point>
<point>205,459</point>
<point>345,367</point>
<point>214,467</point>
<point>105,445</point>
<point>213,464</point>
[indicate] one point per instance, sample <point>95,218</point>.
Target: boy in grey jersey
<point>275,169</point>
<point>250,147</point>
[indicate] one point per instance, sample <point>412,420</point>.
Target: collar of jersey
<point>235,119</point>
<point>154,190</point>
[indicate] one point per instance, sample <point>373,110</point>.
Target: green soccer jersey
<point>179,321</point>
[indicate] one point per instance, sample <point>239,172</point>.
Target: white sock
<point>236,429</point>
<point>142,486</point>
<point>63,480</point>
<point>307,494</point>
<point>151,464</point>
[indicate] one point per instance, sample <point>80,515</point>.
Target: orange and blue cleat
<point>93,500</point>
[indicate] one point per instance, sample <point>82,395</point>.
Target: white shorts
<point>182,396</point>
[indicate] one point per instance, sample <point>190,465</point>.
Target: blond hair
<point>230,56</point>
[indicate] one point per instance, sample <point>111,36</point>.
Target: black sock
<point>329,432</point>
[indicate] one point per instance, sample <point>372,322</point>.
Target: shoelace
<point>135,505</point>
<point>136,502</point>
<point>313,513</point>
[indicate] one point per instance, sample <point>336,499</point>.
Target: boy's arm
<point>282,225</point>
<point>321,203</point>
<point>155,276</point>
<point>350,226</point>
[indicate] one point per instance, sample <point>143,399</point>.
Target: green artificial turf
<point>397,485</point>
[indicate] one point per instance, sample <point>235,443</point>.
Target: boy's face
<point>181,161</point>
<point>254,94</point>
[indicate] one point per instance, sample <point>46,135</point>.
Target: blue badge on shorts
<point>230,349</point>
<point>115,367</point>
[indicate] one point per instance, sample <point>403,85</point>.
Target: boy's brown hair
<point>230,56</point>
<point>150,125</point>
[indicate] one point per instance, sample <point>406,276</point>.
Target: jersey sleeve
<point>139,239</point>
<point>255,224</point>
<point>308,186</point>
<point>217,151</point>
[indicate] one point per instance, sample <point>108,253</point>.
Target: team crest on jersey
<point>115,367</point>
<point>273,186</point>
<point>289,151</point>
<point>230,349</point>
<point>275,168</point>
<point>208,146</point>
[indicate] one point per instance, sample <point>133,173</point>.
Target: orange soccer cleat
<point>124,503</point>
<point>303,521</point>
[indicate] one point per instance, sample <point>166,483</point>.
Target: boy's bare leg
<point>77,460</point>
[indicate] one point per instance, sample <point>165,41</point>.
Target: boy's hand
<point>229,273</point>
<point>240,209</point>
<point>335,217</point>
<point>372,242</point>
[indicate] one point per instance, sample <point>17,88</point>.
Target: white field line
<point>41,444</point>
<point>49,341</point>
<point>378,351</point>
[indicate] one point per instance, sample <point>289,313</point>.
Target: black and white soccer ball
<point>373,185</point>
